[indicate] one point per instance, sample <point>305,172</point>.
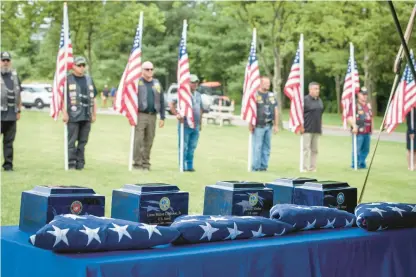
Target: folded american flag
<point>204,228</point>
<point>88,233</point>
<point>303,218</point>
<point>386,215</point>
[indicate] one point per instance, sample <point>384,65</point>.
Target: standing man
<point>191,135</point>
<point>362,126</point>
<point>104,96</point>
<point>267,119</point>
<point>312,129</point>
<point>11,105</point>
<point>80,112</point>
<point>151,102</point>
<point>113,93</point>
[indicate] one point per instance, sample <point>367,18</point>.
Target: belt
<point>264,125</point>
<point>151,113</point>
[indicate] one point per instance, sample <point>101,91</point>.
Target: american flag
<point>63,65</point>
<point>184,90</point>
<point>347,91</point>
<point>410,90</point>
<point>403,100</point>
<point>88,233</point>
<point>385,215</point>
<point>303,218</point>
<point>206,228</point>
<point>251,86</point>
<point>293,91</point>
<point>126,101</point>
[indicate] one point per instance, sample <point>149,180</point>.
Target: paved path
<point>327,130</point>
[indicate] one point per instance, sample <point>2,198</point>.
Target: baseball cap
<point>194,78</point>
<point>6,56</point>
<point>80,60</point>
<point>364,91</point>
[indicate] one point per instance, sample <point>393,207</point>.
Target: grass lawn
<point>221,155</point>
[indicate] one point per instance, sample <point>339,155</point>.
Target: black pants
<point>8,129</point>
<point>77,132</point>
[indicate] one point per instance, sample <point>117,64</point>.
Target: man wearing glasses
<point>80,112</point>
<point>151,102</point>
<point>11,105</point>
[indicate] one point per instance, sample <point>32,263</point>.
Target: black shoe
<point>8,169</point>
<point>263,169</point>
<point>79,168</point>
<point>190,170</point>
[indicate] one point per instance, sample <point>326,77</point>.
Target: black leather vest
<point>265,109</point>
<point>80,105</point>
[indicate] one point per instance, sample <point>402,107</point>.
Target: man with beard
<point>11,105</point>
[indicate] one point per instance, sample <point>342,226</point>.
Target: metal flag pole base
<point>181,139</point>
<point>250,152</point>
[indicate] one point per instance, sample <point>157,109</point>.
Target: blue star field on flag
<point>385,215</point>
<point>205,228</point>
<point>88,233</point>
<point>303,218</point>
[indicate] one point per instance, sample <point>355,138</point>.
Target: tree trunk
<point>368,82</point>
<point>277,81</point>
<point>90,31</point>
<point>338,92</point>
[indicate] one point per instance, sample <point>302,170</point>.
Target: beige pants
<point>310,150</point>
<point>143,139</point>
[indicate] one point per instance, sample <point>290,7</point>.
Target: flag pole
<point>250,135</point>
<point>353,103</point>
<point>66,34</point>
<point>302,87</point>
<point>133,127</point>
<point>412,141</point>
<point>182,129</point>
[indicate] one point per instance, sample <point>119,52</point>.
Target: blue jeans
<point>363,148</point>
<point>261,148</point>
<point>190,141</point>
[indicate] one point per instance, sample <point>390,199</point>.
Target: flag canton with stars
<point>297,58</point>
<point>252,58</point>
<point>88,233</point>
<point>408,76</point>
<point>203,228</point>
<point>136,41</point>
<point>182,48</point>
<point>386,215</point>
<point>350,68</point>
<point>61,39</point>
<point>303,218</point>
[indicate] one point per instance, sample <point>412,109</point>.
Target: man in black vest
<point>267,122</point>
<point>151,101</point>
<point>11,106</point>
<point>80,112</point>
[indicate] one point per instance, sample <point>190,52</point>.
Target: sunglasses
<point>148,69</point>
<point>5,60</point>
<point>81,65</point>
